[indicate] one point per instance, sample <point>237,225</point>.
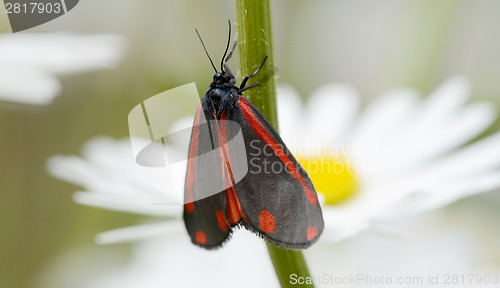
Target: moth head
<point>221,77</point>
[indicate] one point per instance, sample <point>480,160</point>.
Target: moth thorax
<point>215,95</point>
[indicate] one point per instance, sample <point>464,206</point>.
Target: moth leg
<point>252,75</point>
<point>248,87</point>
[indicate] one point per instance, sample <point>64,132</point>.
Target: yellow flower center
<point>334,177</point>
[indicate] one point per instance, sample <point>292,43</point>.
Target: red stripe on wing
<point>268,139</point>
<point>234,210</point>
<point>189,206</point>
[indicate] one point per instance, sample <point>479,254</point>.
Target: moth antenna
<point>204,48</point>
<point>227,47</point>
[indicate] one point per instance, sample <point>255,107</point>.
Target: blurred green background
<point>372,45</point>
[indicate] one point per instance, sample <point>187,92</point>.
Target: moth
<point>274,198</point>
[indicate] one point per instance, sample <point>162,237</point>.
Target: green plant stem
<point>255,42</point>
<point>286,263</point>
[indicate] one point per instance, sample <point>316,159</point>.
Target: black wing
<point>277,197</point>
<point>205,213</point>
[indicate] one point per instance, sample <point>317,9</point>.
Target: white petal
<point>444,101</point>
<point>138,232</point>
<point>433,247</point>
<point>393,200</point>
<point>62,53</point>
<point>340,226</point>
<point>440,127</point>
<point>28,62</point>
<point>461,129</point>
<point>27,85</point>
<point>440,194</point>
<point>383,118</point>
<point>112,155</point>
<point>112,201</point>
<point>170,262</point>
<point>290,116</point>
<point>476,158</point>
<point>437,109</point>
<point>355,215</point>
<point>110,167</point>
<point>98,178</point>
<point>469,171</point>
<point>72,169</point>
<point>331,112</point>
<point>468,124</point>
<point>381,125</point>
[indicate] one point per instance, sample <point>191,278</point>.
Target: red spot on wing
<point>201,238</point>
<point>266,220</point>
<point>189,207</point>
<point>311,232</point>
<point>192,154</point>
<point>221,219</point>
<point>268,139</point>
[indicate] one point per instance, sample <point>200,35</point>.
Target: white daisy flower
<point>114,181</point>
<point>401,155</point>
<point>452,240</point>
<point>444,241</point>
<point>172,261</point>
<point>30,63</point>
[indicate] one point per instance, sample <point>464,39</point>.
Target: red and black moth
<point>280,205</point>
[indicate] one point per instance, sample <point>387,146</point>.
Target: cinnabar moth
<point>280,206</point>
